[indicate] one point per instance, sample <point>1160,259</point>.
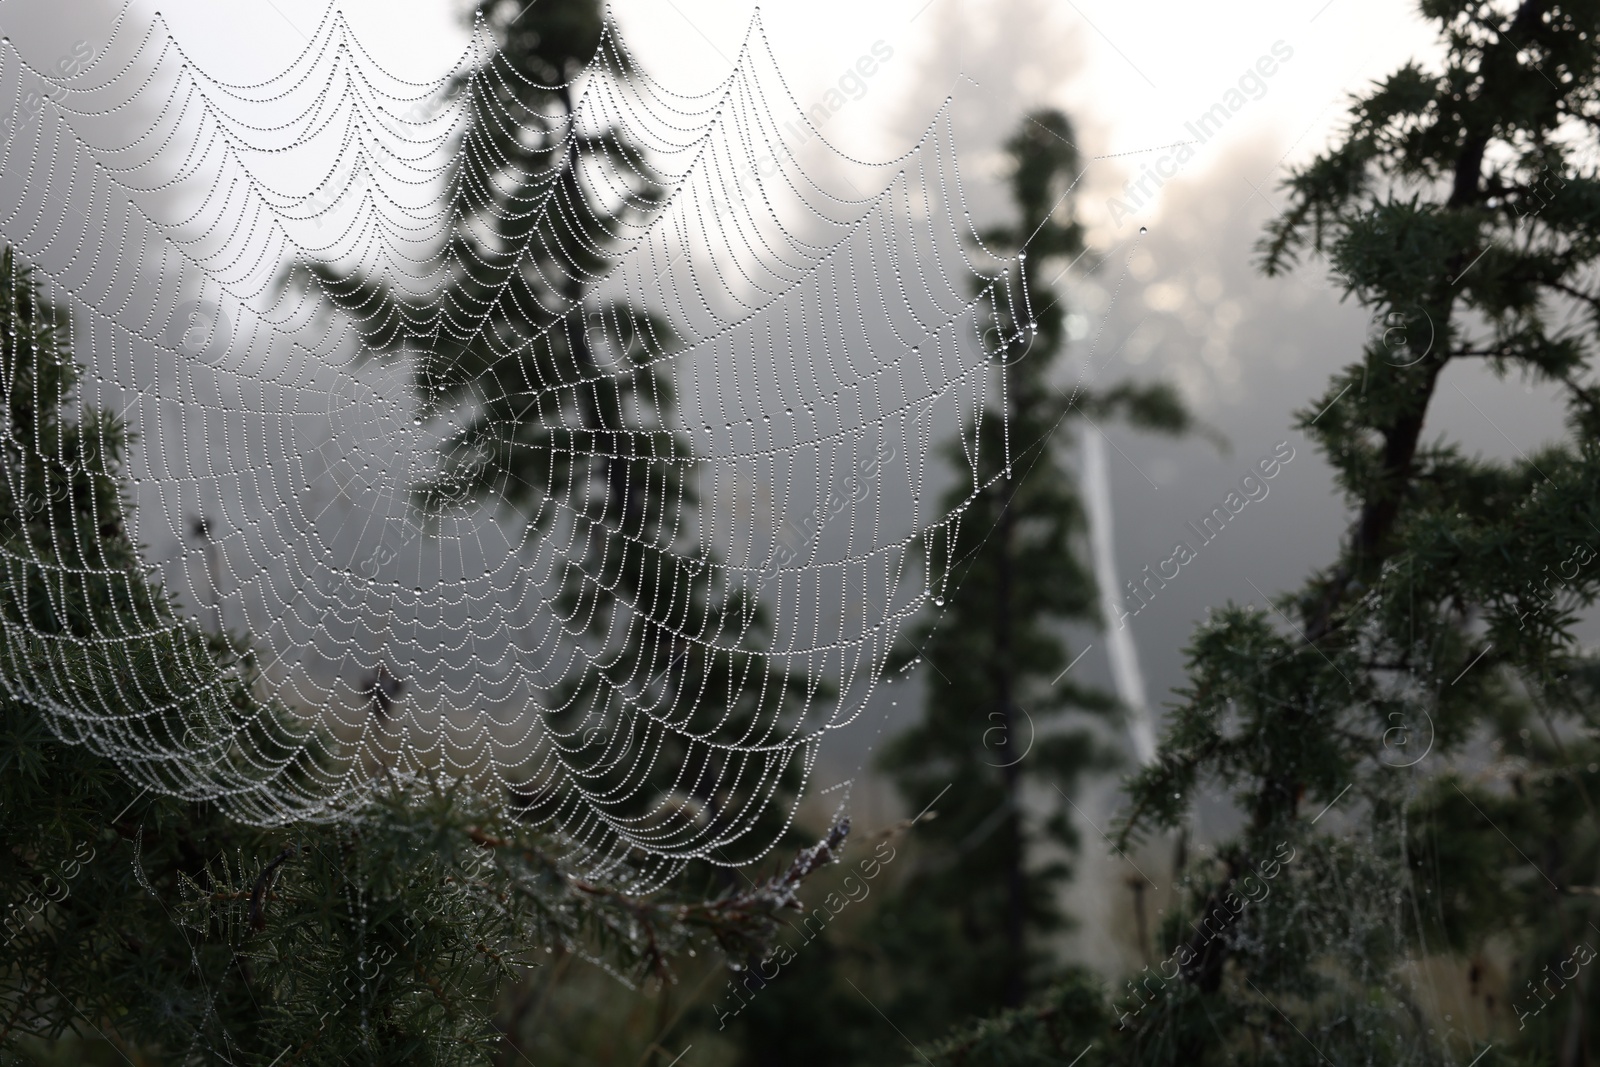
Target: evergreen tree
<point>972,923</point>
<point>141,926</point>
<point>569,401</point>
<point>1056,1028</point>
<point>1461,206</point>
<point>966,931</point>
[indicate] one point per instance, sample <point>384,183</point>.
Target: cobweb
<point>573,441</point>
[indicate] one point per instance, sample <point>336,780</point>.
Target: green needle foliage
<point>141,926</point>
<point>1461,207</point>
<point>1051,1031</point>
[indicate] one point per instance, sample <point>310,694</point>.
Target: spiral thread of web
<point>570,439</point>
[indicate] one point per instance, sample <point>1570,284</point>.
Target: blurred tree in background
<point>571,398</point>
<point>967,929</point>
<point>971,929</point>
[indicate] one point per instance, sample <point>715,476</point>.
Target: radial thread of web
<point>573,440</point>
